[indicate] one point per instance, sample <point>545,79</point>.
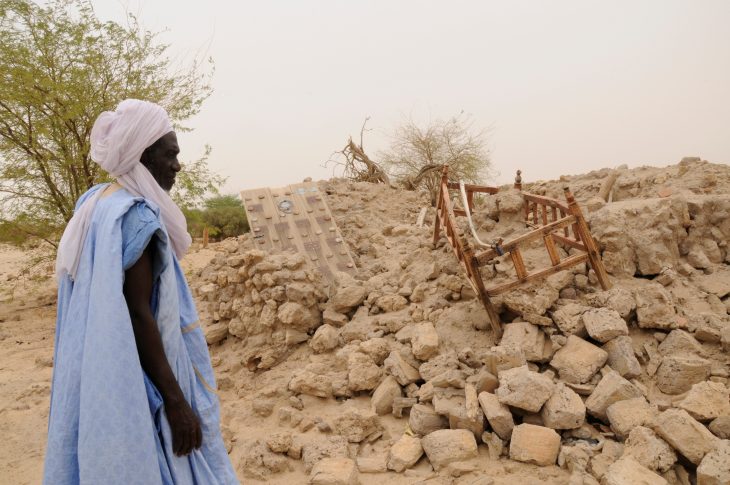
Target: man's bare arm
<point>185,425</point>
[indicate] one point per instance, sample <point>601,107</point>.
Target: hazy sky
<point>563,86</point>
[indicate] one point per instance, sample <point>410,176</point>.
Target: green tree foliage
<point>223,215</point>
<point>60,67</point>
<point>417,153</point>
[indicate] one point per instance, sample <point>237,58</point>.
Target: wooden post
<point>440,203</point>
<point>205,237</point>
<point>581,227</point>
<point>475,277</point>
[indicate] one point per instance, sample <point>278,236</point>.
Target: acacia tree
<point>60,67</point>
<point>417,153</point>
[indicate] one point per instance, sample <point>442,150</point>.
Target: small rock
<point>720,427</point>
<point>715,466</point>
<point>279,442</point>
<point>425,341</point>
<point>423,420</point>
<point>678,373</point>
<point>628,414</point>
<point>355,426</point>
<point>650,450</point>
<point>612,388</point>
<point>325,339</point>
<point>382,401</point>
<point>707,401</point>
<point>621,357</point>
<point>403,372</point>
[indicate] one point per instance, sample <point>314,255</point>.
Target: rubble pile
<point>393,371</point>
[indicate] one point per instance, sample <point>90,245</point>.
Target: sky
<point>561,87</point>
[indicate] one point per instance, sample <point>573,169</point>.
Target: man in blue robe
<point>133,398</point>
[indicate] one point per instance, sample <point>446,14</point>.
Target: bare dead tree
<point>355,163</point>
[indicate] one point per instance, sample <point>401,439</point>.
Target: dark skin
<point>161,160</point>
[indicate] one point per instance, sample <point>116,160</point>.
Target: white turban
<point>118,139</point>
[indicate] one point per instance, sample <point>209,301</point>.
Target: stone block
<point>621,357</point>
<point>483,381</point>
<point>356,426</point>
<point>372,464</point>
<point>564,409</point>
<point>578,360</point>
<point>715,466</point>
<point>654,308</point>
<point>534,343</point>
<point>425,341</point>
<point>685,434</point>
<point>678,373</point>
<point>403,372</point>
<point>498,415</point>
<point>627,471</point>
<point>650,450</point>
<point>627,414</point>
<point>604,324</point>
<point>524,389</point>
<point>423,420</point>
<point>325,339</point>
<point>706,401</point>
<point>611,388</point>
<point>680,342</point>
<point>448,446</point>
<point>720,427</point>
<point>334,471</point>
<point>534,444</point>
<point>347,297</point>
<point>568,319</point>
<point>307,382</point>
<point>404,453</point>
<point>382,401</point>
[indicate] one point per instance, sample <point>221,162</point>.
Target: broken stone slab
<point>438,365</point>
<point>628,414</point>
<point>564,409</point>
<point>322,447</point>
<point>650,450</point>
<point>611,388</point>
<point>215,332</point>
<point>382,401</point>
<point>425,341</point>
<point>604,324</point>
<point>401,370</point>
<point>706,401</point>
<point>534,444</point>
<point>715,466</point>
<point>627,470</point>
<point>448,446</point>
<point>685,434</point>
<point>334,471</point>
<point>498,415</point>
<point>363,374</point>
<point>451,378</point>
<point>503,357</point>
<point>621,357</point>
<point>279,442</point>
<point>423,420</point>
<point>336,319</point>
<point>578,360</point>
<point>524,389</point>
<point>534,343</point>
<point>611,452</point>
<point>678,373</point>
<point>404,453</point>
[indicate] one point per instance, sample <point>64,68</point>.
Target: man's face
<point>160,158</point>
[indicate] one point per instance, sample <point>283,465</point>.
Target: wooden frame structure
<point>551,220</point>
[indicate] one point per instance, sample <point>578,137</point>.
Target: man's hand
<point>185,426</point>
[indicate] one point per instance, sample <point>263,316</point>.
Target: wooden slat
<point>555,214</point>
<point>568,241</point>
<point>565,231</point>
<point>552,249</point>
<point>544,215</point>
<point>540,199</point>
<point>482,189</point>
<point>566,263</point>
<point>539,233</point>
<point>534,214</point>
<point>519,263</point>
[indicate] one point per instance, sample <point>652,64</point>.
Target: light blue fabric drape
<point>107,423</point>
